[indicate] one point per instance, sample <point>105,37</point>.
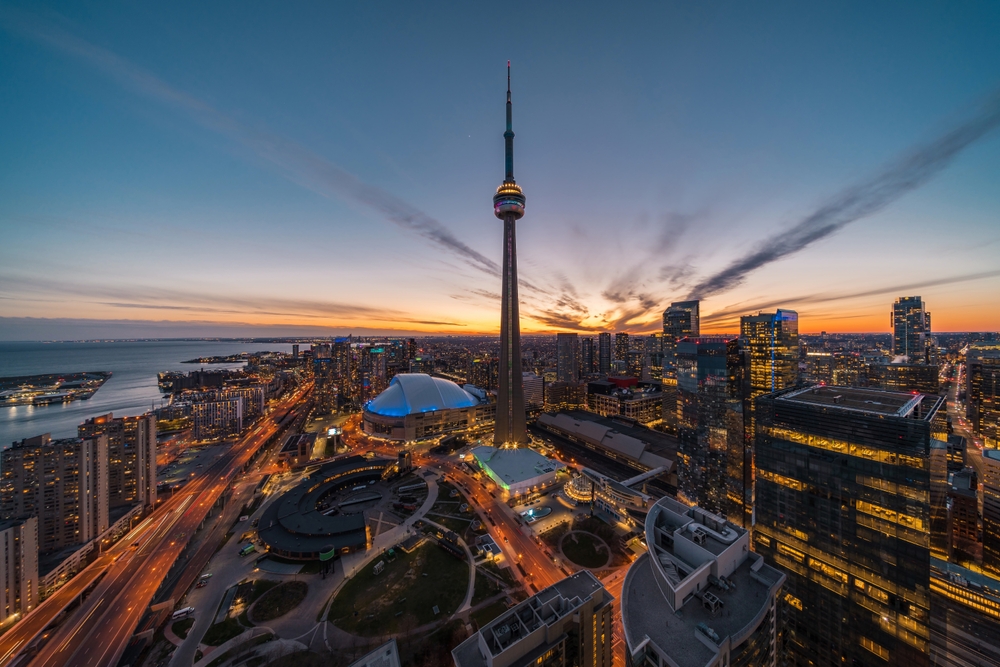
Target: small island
<point>228,359</point>
<point>50,388</point>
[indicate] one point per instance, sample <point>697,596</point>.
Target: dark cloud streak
<point>298,163</point>
<point>859,201</point>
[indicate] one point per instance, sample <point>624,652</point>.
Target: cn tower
<point>508,205</point>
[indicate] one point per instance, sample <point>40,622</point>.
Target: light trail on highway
<point>120,600</point>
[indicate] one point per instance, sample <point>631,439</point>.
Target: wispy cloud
<point>295,161</point>
<point>145,298</point>
<point>859,201</point>
<point>732,313</point>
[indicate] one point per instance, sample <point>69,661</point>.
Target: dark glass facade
<point>983,394</point>
<point>843,508</point>
<point>771,344</point>
<point>681,320</point>
<point>911,328</point>
<point>604,353</point>
<point>710,427</point>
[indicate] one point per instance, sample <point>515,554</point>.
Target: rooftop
<point>697,585</point>
<point>646,613</point>
<point>293,522</point>
<point>385,655</point>
<point>513,465</point>
<point>874,401</point>
<point>643,446</point>
<point>11,523</point>
<point>544,608</point>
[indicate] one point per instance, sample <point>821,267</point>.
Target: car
<point>505,540</point>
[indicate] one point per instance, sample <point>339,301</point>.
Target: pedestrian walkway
<point>232,643</point>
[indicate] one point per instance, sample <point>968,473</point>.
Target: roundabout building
<point>304,524</point>
<point>416,406</point>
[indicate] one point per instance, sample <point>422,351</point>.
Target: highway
<point>98,631</point>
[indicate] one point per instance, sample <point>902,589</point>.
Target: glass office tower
<point>911,328</point>
<point>771,345</point>
<point>843,508</point>
<point>710,424</point>
<point>604,353</point>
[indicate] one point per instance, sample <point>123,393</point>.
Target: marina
<point>51,388</point>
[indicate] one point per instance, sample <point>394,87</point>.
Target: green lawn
<point>242,649</point>
<point>444,493</point>
<point>585,549</point>
<point>552,536</point>
<point>504,573</point>
<point>488,613</point>
<point>222,632</point>
<point>485,588</point>
<point>452,523</point>
<point>279,601</point>
<point>401,598</point>
<point>181,628</point>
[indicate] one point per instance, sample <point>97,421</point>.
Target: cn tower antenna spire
<point>508,136</point>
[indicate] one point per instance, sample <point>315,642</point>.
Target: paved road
<point>100,628</point>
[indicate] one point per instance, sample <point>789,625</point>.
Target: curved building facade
<point>699,597</point>
<point>294,527</point>
<point>416,406</point>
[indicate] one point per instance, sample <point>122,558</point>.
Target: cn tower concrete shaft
<point>508,205</point>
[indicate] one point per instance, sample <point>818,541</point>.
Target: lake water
<point>131,390</point>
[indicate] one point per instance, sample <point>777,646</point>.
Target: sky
<point>305,168</point>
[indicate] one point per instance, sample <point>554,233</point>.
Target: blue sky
<point>332,165</point>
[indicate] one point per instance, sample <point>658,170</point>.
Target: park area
<point>278,601</point>
<point>585,549</point>
<point>402,597</point>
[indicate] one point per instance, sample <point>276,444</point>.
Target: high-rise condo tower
<point>508,205</point>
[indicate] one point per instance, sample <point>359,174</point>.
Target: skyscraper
<point>710,461</point>
<point>131,456</point>
<point>771,345</point>
<point>62,482</point>
<point>621,347</point>
<point>604,353</point>
<point>680,320</point>
<point>567,357</point>
<point>911,328</point>
<point>843,508</point>
<point>508,205</point>
<point>19,585</point>
<point>991,510</point>
<point>588,361</point>
<point>983,392</point>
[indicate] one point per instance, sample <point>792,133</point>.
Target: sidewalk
<point>235,641</point>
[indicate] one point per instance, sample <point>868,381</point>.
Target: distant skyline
<point>229,170</point>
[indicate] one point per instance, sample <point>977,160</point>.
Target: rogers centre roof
<point>411,393</point>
